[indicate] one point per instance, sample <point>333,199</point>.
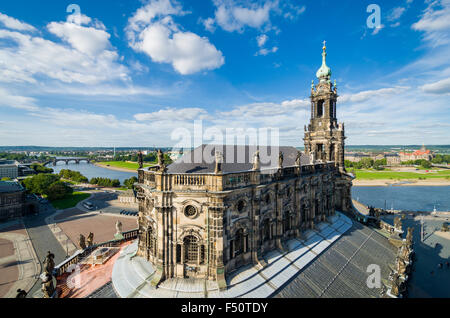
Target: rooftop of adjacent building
<point>236,158</point>
<point>10,186</point>
<point>4,162</point>
<point>337,271</point>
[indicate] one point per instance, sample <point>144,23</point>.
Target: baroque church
<point>200,219</point>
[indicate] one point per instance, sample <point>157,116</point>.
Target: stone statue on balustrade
<point>280,160</point>
<point>118,235</point>
<point>49,262</point>
<point>140,160</point>
<point>395,288</point>
<point>82,242</point>
<point>21,293</point>
<point>218,163</point>
<point>90,239</point>
<point>160,155</point>
<point>298,159</point>
<point>405,251</point>
<point>256,161</point>
<point>397,223</point>
<point>401,266</point>
<point>409,236</point>
<point>47,288</point>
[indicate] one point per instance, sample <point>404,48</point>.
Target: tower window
<point>320,108</point>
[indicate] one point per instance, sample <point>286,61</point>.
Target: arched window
<point>190,249</point>
<point>320,108</point>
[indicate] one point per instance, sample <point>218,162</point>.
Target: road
<point>43,239</point>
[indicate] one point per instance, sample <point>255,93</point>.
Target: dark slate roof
<point>235,158</point>
<point>10,186</point>
<point>341,270</point>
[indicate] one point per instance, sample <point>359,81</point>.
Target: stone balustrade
<point>228,181</point>
<point>80,254</point>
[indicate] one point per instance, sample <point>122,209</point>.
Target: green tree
<point>348,163</point>
<point>366,163</point>
<point>129,183</point>
<point>40,168</point>
<point>425,164</point>
<point>40,183</point>
<point>58,190</point>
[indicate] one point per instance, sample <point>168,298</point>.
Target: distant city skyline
<point>131,73</point>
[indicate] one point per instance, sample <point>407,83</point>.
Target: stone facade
<point>205,220</point>
<point>14,202</point>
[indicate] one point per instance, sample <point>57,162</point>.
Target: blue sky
<point>130,73</point>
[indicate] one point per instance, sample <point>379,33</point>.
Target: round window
<point>190,211</point>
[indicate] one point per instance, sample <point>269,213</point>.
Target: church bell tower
<point>324,136</point>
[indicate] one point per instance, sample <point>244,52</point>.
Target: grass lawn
<point>70,201</point>
<point>396,175</point>
<point>123,164</point>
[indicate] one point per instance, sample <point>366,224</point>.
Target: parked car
<point>88,205</point>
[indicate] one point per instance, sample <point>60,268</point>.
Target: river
<point>410,198</point>
<point>91,171</point>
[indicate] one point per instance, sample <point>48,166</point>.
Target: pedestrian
<point>448,264</point>
<point>440,265</point>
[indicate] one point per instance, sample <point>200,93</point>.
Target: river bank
<point>114,168</point>
<point>406,182</point>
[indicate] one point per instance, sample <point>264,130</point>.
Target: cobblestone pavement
<point>19,266</point>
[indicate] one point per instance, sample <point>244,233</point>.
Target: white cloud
<point>232,16</point>
<point>439,87</point>
<point>268,109</point>
<point>173,114</point>
<point>16,101</point>
<point>265,51</point>
<point>89,40</point>
<point>86,60</point>
<point>435,22</point>
<point>152,30</point>
<point>262,39</point>
<point>369,94</point>
<point>396,13</point>
<point>15,24</point>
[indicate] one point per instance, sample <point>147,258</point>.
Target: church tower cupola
<point>324,72</point>
<point>324,137</point>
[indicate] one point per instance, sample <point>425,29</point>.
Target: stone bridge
<point>67,160</point>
